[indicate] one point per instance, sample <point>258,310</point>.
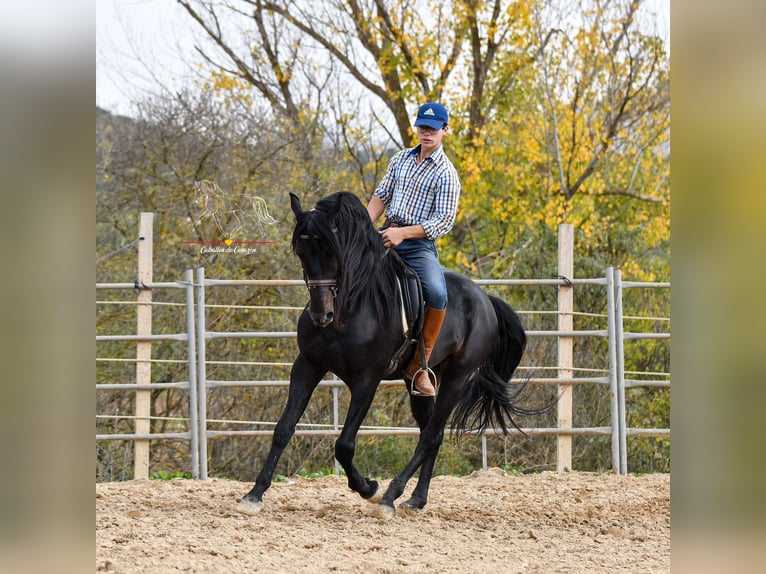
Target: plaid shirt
<point>425,194</point>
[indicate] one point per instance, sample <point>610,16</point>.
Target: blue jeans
<point>422,256</point>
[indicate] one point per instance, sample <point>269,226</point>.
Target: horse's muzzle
<point>322,319</point>
<point>322,307</point>
<point>322,302</point>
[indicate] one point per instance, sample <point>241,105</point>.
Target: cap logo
<point>428,112</point>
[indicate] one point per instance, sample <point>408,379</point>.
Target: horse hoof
<point>383,511</point>
<point>377,496</point>
<point>249,507</point>
<point>409,508</point>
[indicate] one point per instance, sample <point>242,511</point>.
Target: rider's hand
<point>392,236</point>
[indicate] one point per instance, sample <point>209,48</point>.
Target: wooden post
<point>143,348</point>
<point>566,323</point>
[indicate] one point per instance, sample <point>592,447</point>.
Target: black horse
<point>353,325</point>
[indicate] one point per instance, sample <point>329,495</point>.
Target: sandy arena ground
<point>489,522</point>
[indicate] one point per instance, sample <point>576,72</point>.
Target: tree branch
<point>627,193</point>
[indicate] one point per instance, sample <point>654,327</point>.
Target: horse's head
<point>201,193</point>
<point>315,242</point>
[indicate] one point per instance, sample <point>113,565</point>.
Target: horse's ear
<point>295,203</point>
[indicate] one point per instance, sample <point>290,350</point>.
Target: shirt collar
<point>436,156</point>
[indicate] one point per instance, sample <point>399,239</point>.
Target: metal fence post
<point>613,400</point>
<point>620,372</point>
<point>335,418</point>
<point>201,373</point>
<point>191,358</point>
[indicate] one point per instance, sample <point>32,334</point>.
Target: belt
<point>388,222</point>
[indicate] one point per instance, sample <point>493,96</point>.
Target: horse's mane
<point>366,277</point>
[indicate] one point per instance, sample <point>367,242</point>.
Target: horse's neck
<point>376,286</point>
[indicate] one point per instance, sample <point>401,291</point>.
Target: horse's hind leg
<point>304,378</point>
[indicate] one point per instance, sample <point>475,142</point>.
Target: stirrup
<point>431,377</point>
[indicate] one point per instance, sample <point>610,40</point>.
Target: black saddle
<point>412,308</point>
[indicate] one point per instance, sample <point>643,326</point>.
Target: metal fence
<point>196,335</point>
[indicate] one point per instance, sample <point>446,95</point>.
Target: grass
<point>304,473</point>
<point>167,475</point>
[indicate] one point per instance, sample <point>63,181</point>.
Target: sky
<point>157,30</point>
<point>160,30</point>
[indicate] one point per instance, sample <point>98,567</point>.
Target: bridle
<point>317,283</point>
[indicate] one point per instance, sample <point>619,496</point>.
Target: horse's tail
<point>486,401</point>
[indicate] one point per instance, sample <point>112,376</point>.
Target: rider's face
<point>431,138</point>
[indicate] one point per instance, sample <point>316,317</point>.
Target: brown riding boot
<point>432,324</point>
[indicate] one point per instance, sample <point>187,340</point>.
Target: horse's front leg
<point>362,393</point>
<point>304,378</point>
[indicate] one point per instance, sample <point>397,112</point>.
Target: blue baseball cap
<point>433,115</point>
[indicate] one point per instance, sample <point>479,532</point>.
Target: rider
<point>419,194</point>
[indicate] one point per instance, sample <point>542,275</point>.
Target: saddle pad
<point>412,296</point>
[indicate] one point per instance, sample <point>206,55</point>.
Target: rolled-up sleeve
<point>385,189</point>
<point>445,205</point>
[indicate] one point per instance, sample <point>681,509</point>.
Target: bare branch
<point>627,193</point>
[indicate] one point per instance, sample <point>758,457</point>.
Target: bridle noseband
<point>316,283</point>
